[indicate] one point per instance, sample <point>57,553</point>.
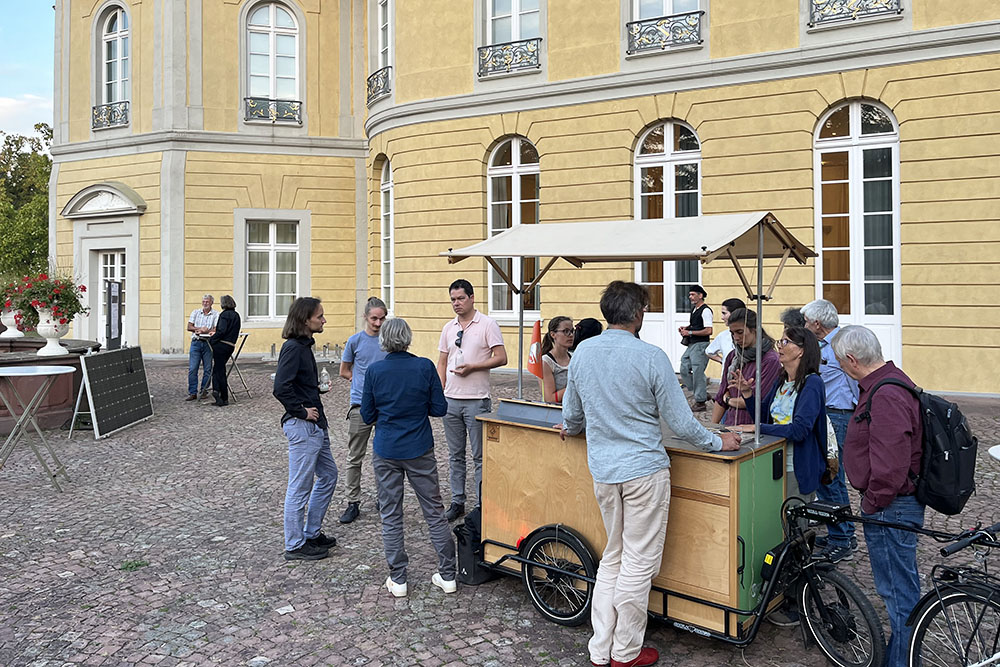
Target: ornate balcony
<point>109,115</point>
<point>663,32</point>
<point>273,111</point>
<point>832,11</point>
<point>510,57</point>
<point>379,84</point>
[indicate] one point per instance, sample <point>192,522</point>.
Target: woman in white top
<point>555,358</point>
<point>720,348</point>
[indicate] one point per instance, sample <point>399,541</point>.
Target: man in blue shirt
<point>362,350</point>
<point>619,387</point>
<point>823,320</point>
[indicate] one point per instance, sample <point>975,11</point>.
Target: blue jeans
<point>836,491</point>
<point>308,456</point>
<point>200,355</point>
<point>893,556</point>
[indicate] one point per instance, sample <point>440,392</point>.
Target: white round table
<point>995,452</point>
<point>10,397</point>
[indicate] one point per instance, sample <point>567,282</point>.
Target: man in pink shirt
<point>470,346</point>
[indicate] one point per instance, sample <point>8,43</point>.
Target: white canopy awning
<point>705,238</point>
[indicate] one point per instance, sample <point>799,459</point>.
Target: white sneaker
<point>397,590</point>
<point>444,584</point>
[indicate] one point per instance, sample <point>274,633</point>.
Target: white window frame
<point>272,31</point>
<point>854,145</point>
<point>121,88</point>
<point>664,4</point>
<point>515,21</point>
<point>667,160</point>
<point>383,13</point>
<point>387,247</point>
<point>514,171</point>
<point>241,216</point>
<point>118,272</point>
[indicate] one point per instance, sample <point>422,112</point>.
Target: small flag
<point>535,351</point>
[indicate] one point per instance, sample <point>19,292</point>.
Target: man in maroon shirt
<point>882,458</point>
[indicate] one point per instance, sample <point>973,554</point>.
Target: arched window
<point>115,57</point>
<point>513,200</point>
<point>387,245</point>
<point>272,53</point>
<point>668,185</point>
<point>857,216</point>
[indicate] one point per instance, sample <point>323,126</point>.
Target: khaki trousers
<point>358,433</point>
<point>635,518</point>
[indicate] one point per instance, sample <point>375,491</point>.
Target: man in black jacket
<point>296,385</point>
<point>697,333</point>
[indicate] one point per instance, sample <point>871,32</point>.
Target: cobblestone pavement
<point>166,549</point>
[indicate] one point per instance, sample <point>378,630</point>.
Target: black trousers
<point>220,357</point>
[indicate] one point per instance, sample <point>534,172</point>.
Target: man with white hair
<point>822,318</point>
<point>201,324</point>
<point>882,454</point>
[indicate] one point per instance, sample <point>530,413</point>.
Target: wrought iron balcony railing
<point>109,115</point>
<point>664,31</point>
<point>510,57</point>
<point>379,84</point>
<point>831,11</point>
<point>273,111</point>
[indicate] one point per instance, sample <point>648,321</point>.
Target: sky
<point>26,75</point>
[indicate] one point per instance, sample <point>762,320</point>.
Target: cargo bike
<point>734,549</point>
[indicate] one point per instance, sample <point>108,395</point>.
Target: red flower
<point>62,320</point>
<point>7,304</point>
<point>43,276</point>
<point>27,286</point>
<point>34,303</point>
<point>25,279</point>
<point>83,288</point>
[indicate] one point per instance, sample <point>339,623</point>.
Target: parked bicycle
<point>958,622</point>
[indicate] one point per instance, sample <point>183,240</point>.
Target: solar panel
<point>117,389</point>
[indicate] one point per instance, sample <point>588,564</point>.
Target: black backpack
<point>948,463</point>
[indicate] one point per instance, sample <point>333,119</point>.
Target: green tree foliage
<point>24,201</point>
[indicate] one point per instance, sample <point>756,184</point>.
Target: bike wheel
<point>561,598</point>
<point>851,633</point>
<point>962,627</point>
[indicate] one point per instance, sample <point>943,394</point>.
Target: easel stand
<point>234,366</point>
<point>28,411</point>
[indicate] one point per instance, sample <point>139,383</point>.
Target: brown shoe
<point>191,397</point>
<point>204,394</point>
<point>698,407</point>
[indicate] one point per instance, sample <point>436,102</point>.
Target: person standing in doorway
<point>362,350</point>
<point>201,324</point>
<point>696,336</point>
<point>312,472</point>
<point>619,388</point>
<point>470,345</point>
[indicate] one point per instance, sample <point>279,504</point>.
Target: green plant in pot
<point>48,304</point>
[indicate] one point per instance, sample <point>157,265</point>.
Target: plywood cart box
<point>724,511</point>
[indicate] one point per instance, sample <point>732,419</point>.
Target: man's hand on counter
<point>730,441</point>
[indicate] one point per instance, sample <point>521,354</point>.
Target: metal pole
<point>520,347</point>
<point>760,329</point>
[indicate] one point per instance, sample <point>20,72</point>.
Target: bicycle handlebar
<point>985,535</point>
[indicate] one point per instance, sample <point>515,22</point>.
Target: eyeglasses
<point>566,332</point>
<point>458,341</point>
<point>785,341</point>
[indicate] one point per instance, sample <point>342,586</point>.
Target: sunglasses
<point>458,340</point>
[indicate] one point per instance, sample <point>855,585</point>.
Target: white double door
<point>669,307</point>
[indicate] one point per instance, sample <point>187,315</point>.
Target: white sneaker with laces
<point>444,584</point>
<point>397,590</point>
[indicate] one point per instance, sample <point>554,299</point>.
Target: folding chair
<point>234,366</point>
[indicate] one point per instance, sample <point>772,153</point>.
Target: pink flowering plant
<point>60,295</point>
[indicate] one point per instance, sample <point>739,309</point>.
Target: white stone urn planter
<point>50,329</point>
<point>8,317</point>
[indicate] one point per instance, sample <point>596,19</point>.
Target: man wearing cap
<point>696,335</point>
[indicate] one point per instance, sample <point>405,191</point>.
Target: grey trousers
<point>459,421</point>
<point>358,433</point>
<point>692,371</point>
<point>423,476</point>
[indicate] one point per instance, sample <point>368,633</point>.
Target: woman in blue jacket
<point>795,409</point>
<point>400,393</point>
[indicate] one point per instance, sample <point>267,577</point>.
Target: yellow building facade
<point>274,149</point>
